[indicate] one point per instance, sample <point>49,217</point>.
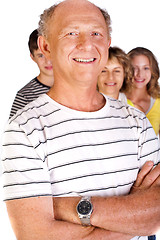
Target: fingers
<point>147,177</point>
<point>155,175</point>
<point>147,167</point>
<point>151,177</point>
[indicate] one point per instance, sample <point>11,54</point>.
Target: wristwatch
<point>84,210</point>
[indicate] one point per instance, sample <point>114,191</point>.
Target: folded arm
<point>33,219</point>
<point>113,218</point>
<point>137,213</point>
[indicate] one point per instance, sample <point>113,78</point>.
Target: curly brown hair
<point>153,87</point>
<point>121,56</point>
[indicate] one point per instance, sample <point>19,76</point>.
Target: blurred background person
<point>145,89</point>
<point>40,84</point>
<point>117,75</point>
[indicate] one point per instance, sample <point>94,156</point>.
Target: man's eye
<point>72,34</point>
<point>96,34</point>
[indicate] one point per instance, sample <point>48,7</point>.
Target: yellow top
<point>153,115</point>
<point>130,102</point>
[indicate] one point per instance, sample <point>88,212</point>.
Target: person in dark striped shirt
<point>40,84</point>
<point>76,142</point>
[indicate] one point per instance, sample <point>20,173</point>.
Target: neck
<point>46,80</point>
<point>138,94</point>
<point>113,95</point>
<point>78,98</point>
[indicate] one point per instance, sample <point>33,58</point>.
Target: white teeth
<point>110,84</point>
<point>139,80</point>
<point>84,60</point>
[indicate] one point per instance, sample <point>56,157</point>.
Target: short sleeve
<point>25,172</point>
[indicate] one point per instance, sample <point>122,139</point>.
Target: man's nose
<point>85,42</point>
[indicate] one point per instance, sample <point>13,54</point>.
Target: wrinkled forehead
<point>76,5</point>
<point>75,11</point>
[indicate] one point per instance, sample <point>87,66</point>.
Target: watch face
<point>84,207</point>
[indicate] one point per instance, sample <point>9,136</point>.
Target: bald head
<point>68,7</point>
<point>76,4</point>
<point>75,39</point>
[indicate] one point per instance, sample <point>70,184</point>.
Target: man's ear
<point>44,46</point>
<point>109,43</point>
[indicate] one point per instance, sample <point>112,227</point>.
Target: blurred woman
<point>117,75</point>
<point>135,76</point>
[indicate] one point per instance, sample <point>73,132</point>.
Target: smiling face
<point>111,78</point>
<point>142,71</point>
<point>77,41</point>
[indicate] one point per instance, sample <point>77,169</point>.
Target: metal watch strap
<point>85,221</point>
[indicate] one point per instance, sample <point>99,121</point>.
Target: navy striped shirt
<point>27,94</point>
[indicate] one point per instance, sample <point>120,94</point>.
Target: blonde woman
<point>145,90</point>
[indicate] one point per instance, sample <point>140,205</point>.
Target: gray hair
<point>48,13</point>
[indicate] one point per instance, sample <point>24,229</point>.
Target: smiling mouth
<point>49,68</point>
<point>110,84</point>
<point>139,81</point>
<point>82,60</point>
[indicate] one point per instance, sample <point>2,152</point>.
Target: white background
<point>134,23</point>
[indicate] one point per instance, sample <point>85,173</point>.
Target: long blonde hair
<point>153,87</point>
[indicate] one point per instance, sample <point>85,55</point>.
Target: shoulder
<point>33,119</point>
<point>157,101</point>
<point>155,106</point>
<point>33,109</point>
<point>28,86</point>
<point>124,111</point>
<point>122,97</point>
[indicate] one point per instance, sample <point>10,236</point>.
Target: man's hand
<point>147,177</point>
<point>124,212</point>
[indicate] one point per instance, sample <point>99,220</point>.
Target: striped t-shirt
<point>27,94</point>
<point>52,150</point>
